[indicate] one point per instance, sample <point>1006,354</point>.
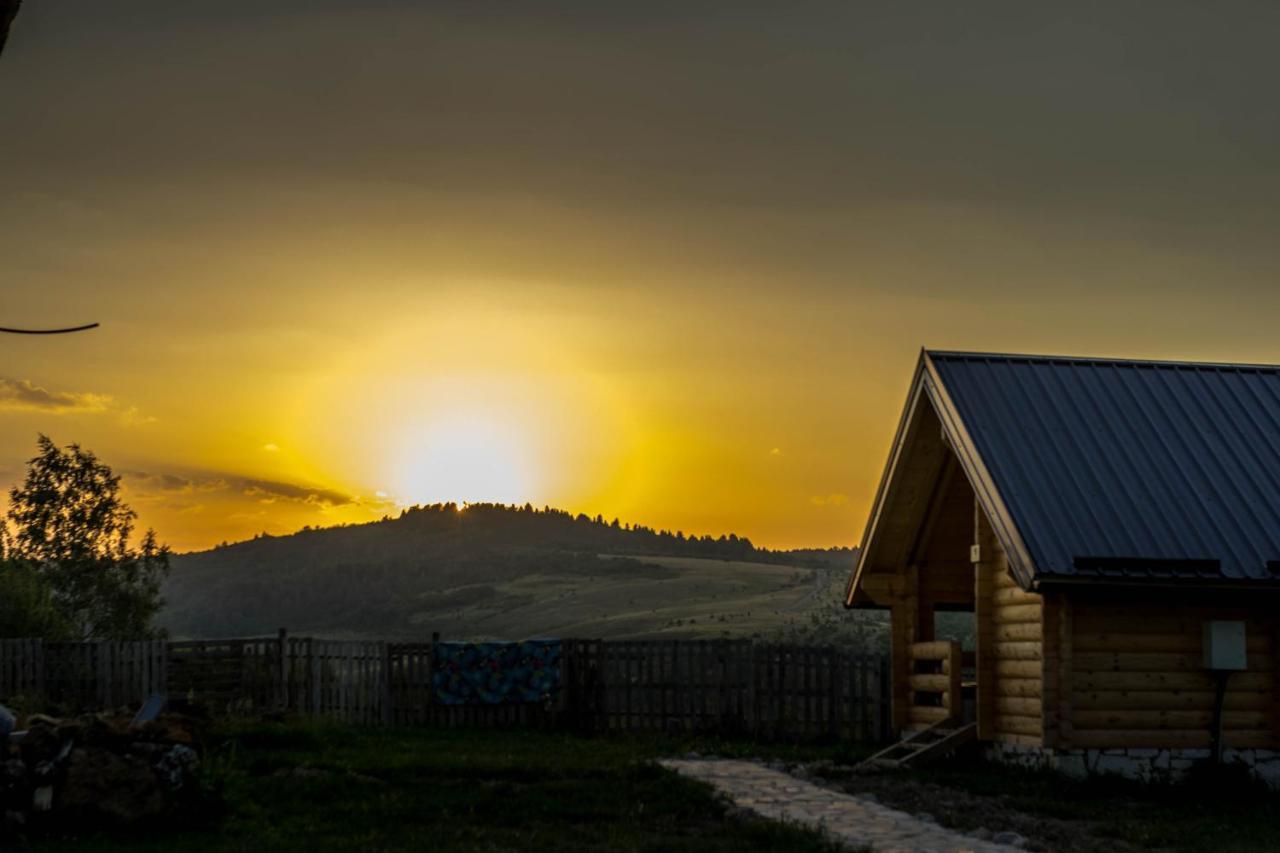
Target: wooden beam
<point>902,619</point>
<point>906,425</point>
<point>1066,673</point>
<point>1049,668</point>
<point>883,589</point>
<point>984,625</point>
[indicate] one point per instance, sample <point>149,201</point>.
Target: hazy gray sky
<point>729,226</point>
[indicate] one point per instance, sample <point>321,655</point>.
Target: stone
<point>8,722</point>
<point>862,823</point>
<point>304,771</point>
<point>1120,765</point>
<point>1012,839</point>
<point>42,799</point>
<point>1071,765</point>
<point>177,767</point>
<point>982,834</point>
<point>692,756</point>
<point>106,787</point>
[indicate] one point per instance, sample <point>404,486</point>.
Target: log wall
<point>1137,677</point>
<point>1011,661</point>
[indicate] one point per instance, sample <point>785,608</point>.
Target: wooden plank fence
<point>731,687</point>
<point>101,674</point>
<point>21,668</point>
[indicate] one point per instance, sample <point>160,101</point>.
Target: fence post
<point>314,660</point>
<point>388,716</point>
<point>568,687</point>
<point>162,659</point>
<point>40,669</point>
<point>832,671</point>
<point>104,673</point>
<point>282,669</point>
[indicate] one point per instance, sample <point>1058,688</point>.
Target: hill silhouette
<point>490,570</point>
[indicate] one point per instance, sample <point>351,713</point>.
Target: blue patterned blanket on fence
<point>495,673</point>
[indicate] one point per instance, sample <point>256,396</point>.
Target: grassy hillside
<point>503,572</point>
<point>633,597</point>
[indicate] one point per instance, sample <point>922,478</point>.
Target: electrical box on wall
<point>1224,645</point>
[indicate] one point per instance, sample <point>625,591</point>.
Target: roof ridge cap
<point>965,355</point>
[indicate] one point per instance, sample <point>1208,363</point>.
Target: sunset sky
<point>671,262</point>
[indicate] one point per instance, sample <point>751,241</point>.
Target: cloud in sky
<point>270,490</point>
<point>833,499</point>
<point>132,417</point>
<point>265,491</point>
<point>24,395</point>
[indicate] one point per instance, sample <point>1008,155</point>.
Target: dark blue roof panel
<point>1129,468</point>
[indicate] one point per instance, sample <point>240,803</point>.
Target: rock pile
<point>94,770</point>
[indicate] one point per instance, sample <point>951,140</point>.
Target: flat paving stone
<point>861,823</point>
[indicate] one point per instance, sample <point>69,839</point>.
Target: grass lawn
<point>444,790</point>
<point>319,787</point>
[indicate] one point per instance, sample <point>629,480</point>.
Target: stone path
<point>861,823</point>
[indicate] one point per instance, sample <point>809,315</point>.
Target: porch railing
<point>935,683</point>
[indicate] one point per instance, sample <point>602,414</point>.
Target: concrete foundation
<point>1146,765</point>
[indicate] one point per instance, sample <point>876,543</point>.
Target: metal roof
<point>1114,468</point>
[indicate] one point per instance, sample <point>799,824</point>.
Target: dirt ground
<point>966,811</point>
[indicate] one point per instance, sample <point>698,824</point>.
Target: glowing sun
<point>465,458</point>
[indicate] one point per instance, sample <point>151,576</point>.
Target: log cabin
<point>1113,527</point>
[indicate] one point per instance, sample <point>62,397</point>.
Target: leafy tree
<point>69,528</point>
<point>26,604</point>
